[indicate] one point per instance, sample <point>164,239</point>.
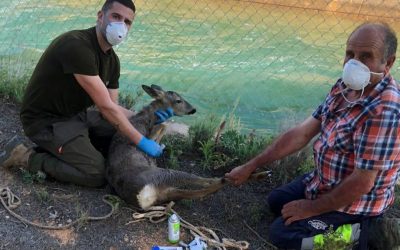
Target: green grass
<point>221,144</point>
<point>30,178</point>
<point>128,100</point>
<point>12,87</point>
<point>42,195</point>
<point>201,132</point>
<point>241,146</point>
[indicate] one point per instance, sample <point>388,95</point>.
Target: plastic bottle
<point>173,229</point>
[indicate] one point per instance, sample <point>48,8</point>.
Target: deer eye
<point>178,101</point>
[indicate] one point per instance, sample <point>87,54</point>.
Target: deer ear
<point>153,92</point>
<point>156,87</point>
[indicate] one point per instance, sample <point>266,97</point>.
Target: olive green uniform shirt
<point>53,94</point>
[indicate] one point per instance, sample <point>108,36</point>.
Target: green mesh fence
<point>270,63</point>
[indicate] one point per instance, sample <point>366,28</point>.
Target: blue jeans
<point>291,236</point>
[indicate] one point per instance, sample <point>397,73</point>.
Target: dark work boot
<point>15,154</point>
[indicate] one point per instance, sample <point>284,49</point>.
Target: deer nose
<point>192,112</point>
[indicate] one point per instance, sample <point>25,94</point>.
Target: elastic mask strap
<point>347,100</point>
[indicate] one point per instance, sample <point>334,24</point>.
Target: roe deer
<point>135,176</point>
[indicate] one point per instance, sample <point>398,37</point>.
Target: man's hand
<point>238,175</point>
<point>150,147</point>
<point>163,115</point>
<point>297,210</point>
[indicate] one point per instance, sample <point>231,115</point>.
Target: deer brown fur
<point>135,177</point>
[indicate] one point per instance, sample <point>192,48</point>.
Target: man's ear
<point>100,15</point>
<point>389,63</point>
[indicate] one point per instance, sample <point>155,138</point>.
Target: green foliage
<point>176,146</point>
<point>306,166</point>
<point>42,195</point>
<point>128,100</point>
<point>115,201</point>
<point>82,215</point>
<point>255,213</point>
<point>13,87</point>
<point>229,147</point>
<point>232,122</point>
<point>242,147</point>
<point>207,151</point>
<point>173,160</point>
<point>213,159</point>
<point>176,143</point>
<point>290,167</point>
<point>202,131</point>
<point>186,203</point>
<point>29,177</point>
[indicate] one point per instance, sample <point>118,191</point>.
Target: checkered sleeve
<point>377,142</point>
<point>318,112</point>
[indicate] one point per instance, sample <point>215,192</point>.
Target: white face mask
<point>116,32</point>
<point>356,75</point>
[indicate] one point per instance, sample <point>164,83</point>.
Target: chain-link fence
<point>270,62</point>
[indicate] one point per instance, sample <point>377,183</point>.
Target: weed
<point>201,132</point>
<point>82,216</point>
<point>13,87</point>
<point>255,213</point>
<point>207,151</point>
<point>212,159</point>
<point>173,161</point>
<point>42,195</point>
<point>186,203</point>
<point>29,177</point>
<point>305,166</point>
<point>241,147</point>
<point>176,146</point>
<point>129,101</point>
<point>115,201</point>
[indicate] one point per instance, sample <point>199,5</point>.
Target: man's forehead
<point>366,37</point>
<point>120,9</point>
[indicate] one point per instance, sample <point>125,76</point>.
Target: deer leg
<point>170,194</point>
<point>206,182</point>
<point>158,132</point>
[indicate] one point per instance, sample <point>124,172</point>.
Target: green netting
<point>269,62</point>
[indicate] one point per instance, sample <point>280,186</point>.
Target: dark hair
<point>390,39</point>
<point>127,3</point>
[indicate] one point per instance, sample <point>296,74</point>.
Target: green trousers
<point>73,151</point>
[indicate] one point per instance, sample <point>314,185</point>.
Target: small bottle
<point>173,229</point>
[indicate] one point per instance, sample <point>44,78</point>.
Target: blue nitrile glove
<point>150,147</point>
<point>164,115</point>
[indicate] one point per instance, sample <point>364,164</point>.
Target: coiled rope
<point>158,214</point>
<point>11,201</point>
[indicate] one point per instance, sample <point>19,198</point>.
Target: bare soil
<point>239,213</point>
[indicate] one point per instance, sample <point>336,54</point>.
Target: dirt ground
<point>235,212</point>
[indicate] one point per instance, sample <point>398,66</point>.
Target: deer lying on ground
<point>135,177</point>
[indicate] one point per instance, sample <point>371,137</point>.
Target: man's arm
<point>110,110</point>
<point>286,144</point>
<point>360,182</point>
<point>114,97</point>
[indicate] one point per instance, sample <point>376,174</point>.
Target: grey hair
<point>390,39</point>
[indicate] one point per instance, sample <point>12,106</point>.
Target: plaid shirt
<point>364,135</point>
